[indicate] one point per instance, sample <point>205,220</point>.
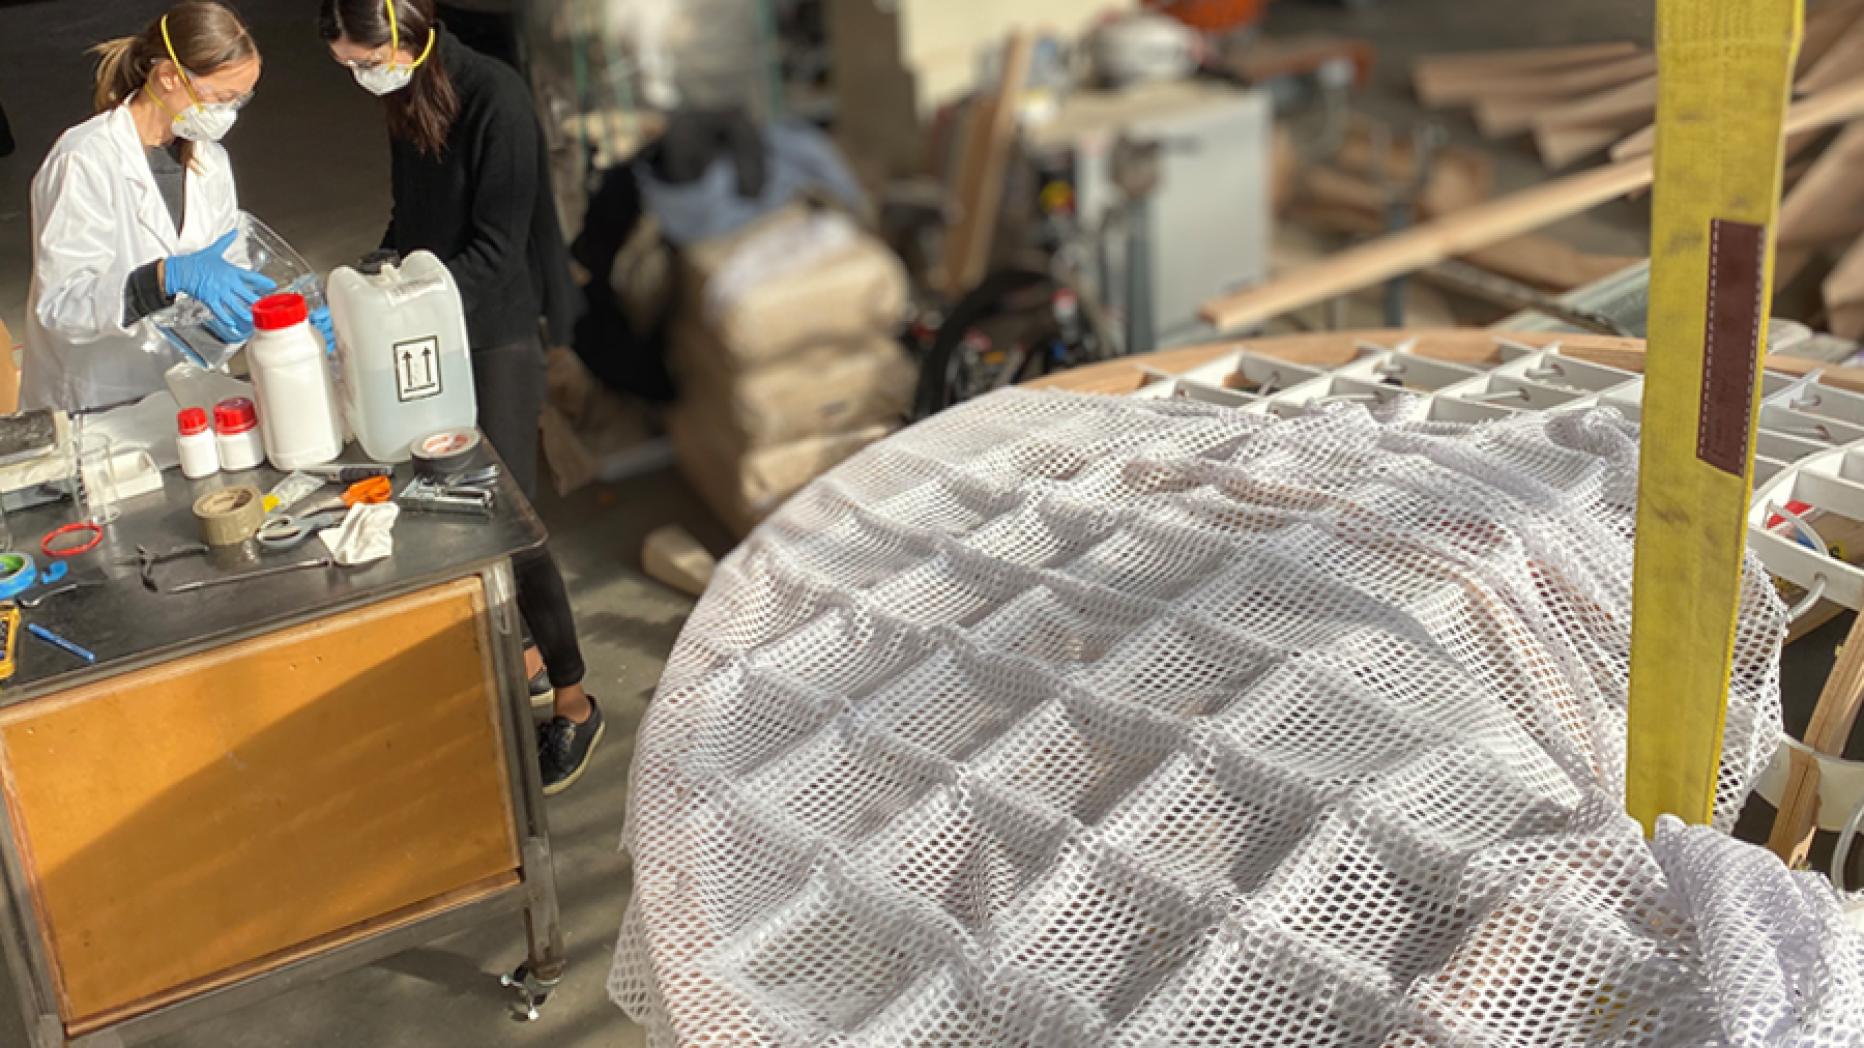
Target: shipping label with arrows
<point>417,369</point>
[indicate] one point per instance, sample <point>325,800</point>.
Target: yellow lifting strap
<point>1725,79</point>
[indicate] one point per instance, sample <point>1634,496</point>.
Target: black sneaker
<point>543,696</point>
<point>564,748</point>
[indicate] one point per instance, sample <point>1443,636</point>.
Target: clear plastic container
<point>401,337</point>
<point>260,249</point>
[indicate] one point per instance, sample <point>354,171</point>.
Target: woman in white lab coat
<point>137,206</point>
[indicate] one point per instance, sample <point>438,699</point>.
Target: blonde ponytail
<point>121,72</point>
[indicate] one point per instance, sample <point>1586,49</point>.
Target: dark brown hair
<point>424,111</point>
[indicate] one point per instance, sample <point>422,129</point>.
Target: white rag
<point>366,535</point>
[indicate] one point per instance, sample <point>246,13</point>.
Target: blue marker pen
<point>59,642</point>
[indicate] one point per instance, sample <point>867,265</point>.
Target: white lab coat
<point>97,215</point>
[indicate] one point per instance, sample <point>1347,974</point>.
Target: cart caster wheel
<point>531,993</point>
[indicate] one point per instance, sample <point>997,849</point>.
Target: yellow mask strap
<point>394,38</point>
<point>180,70</point>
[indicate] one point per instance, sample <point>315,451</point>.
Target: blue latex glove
<point>320,319</point>
<point>224,288</point>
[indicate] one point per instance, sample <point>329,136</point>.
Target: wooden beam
<point>1826,25</point>
<point>987,149</point>
<point>1827,205</point>
<point>1563,146</point>
<point>1631,103</point>
<point>1481,226</point>
<point>1844,61</point>
<point>1442,80</point>
<point>672,556</point>
<point>1538,83</point>
<point>1844,294</point>
<point>1832,721</point>
<point>1498,117</point>
<point>1508,115</point>
<point>1523,57</point>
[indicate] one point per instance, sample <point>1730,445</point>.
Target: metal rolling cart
<point>265,783</point>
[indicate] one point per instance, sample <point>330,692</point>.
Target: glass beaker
<point>93,481</point>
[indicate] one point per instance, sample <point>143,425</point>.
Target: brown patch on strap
<point>1730,350</point>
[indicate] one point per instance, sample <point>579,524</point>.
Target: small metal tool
<point>483,477</point>
<point>250,576</point>
<point>149,560</point>
<point>32,602</point>
<point>351,473</point>
<point>430,496</point>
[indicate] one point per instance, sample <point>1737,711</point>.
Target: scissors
<point>295,529</point>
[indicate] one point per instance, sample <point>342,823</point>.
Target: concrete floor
<point>312,163</point>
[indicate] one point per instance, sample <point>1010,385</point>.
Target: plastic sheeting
<point>1062,720</point>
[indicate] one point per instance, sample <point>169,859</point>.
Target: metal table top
<point>126,626</point>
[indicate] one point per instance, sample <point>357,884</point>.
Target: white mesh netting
<point>1067,720</point>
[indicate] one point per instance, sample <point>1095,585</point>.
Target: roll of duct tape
<point>18,574</point>
<point>231,516</point>
<point>446,453</point>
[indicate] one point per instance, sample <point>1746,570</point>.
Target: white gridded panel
<point>1064,720</point>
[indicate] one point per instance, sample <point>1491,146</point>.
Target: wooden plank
<point>1480,226</point>
<point>1633,103</point>
<point>1827,205</point>
<point>672,556</point>
<point>981,175</point>
<point>1832,720</point>
<point>1844,286</point>
<point>1537,83</point>
<point>1638,143</point>
<point>1846,321</point>
<point>1505,116</point>
<point>1499,117</point>
<point>1524,57</point>
<point>1843,62</point>
<point>1427,244</point>
<point>1826,25</point>
<point>1450,79</point>
<point>1561,147</point>
<point>278,791</point>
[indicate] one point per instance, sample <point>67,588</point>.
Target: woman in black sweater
<point>470,186</point>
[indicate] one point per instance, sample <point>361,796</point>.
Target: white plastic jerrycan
<point>407,370</point>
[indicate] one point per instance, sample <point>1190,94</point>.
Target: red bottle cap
<point>235,416</point>
<point>192,421</point>
<point>277,312</point>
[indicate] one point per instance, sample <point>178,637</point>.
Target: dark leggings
<point>510,384</point>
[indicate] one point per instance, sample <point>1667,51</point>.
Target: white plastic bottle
<point>407,368</point>
<point>297,401</point>
<point>236,435</point>
<point>194,442</point>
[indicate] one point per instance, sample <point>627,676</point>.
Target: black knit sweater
<point>484,206</point>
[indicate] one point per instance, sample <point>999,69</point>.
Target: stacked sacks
<point>784,348</point>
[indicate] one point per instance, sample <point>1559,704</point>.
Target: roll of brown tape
<point>231,516</point>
